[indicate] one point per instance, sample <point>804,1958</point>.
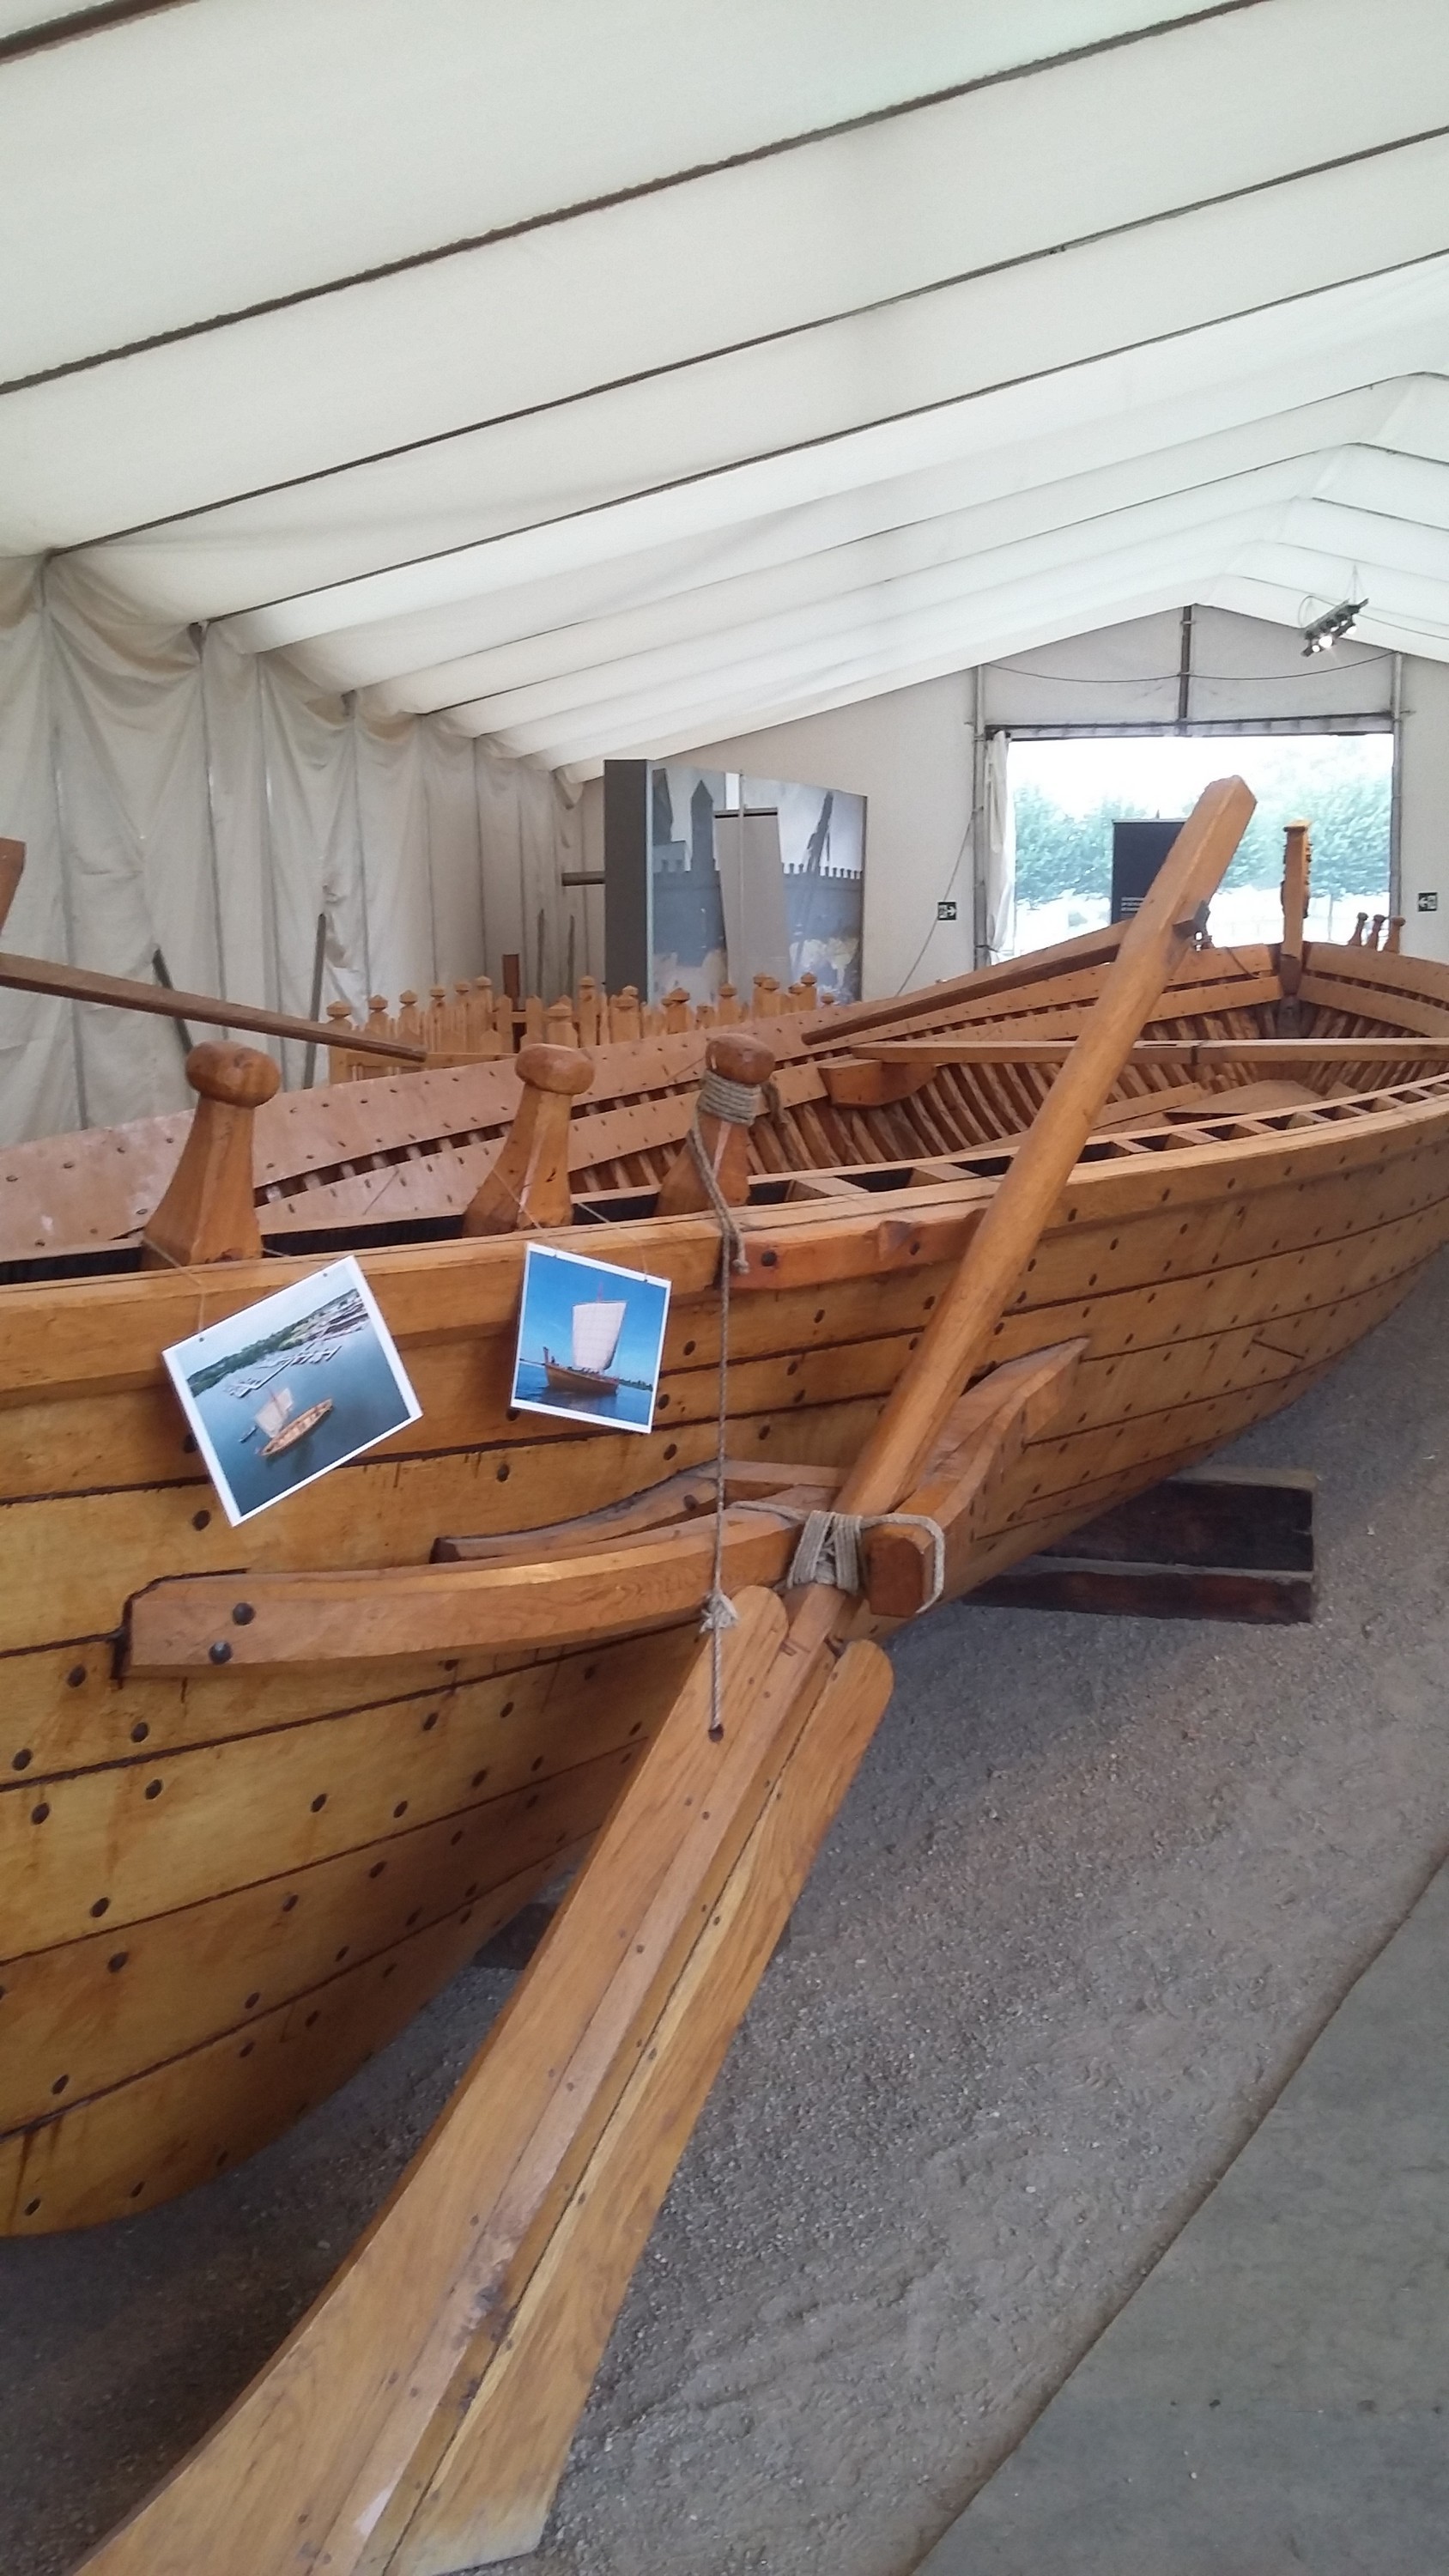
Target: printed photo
<point>590,1341</point>
<point>291,1387</point>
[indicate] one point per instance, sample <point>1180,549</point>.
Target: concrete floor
<point>1097,1888</point>
<point>1274,2396</point>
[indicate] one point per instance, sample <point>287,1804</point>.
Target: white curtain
<point>174,793</point>
<point>998,857</point>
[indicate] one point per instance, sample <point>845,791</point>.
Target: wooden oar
<point>80,984</point>
<point>419,2418</point>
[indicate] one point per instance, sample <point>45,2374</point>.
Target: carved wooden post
<point>1375,927</point>
<point>589,1032</point>
<point>503,1023</point>
<point>1355,936</point>
<point>529,1182</point>
<point>209,1211</point>
<point>533,1028</point>
<point>730,1013</point>
<point>767,997</point>
<point>676,1011</point>
<point>410,1020</point>
<point>559,1029</point>
<point>734,1062</point>
<point>624,1014</point>
<point>341,1067</point>
<point>1396,933</point>
<point>810,989</point>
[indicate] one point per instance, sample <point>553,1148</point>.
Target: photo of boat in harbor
<point>590,1340</point>
<point>292,1387</point>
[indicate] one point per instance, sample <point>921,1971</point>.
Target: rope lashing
<point>737,1103</point>
<point>829,1549</point>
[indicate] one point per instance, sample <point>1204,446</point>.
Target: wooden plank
<point>1154,1591</point>
<point>77,2026</point>
<point>1254,1518</point>
<point>234,1813</point>
<point>192,2117</point>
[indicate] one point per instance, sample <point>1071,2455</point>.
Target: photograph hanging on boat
<point>590,1341</point>
<point>291,1387</point>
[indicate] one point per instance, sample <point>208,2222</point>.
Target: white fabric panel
<point>38,1060</point>
<point>184,794</point>
<point>998,852</point>
<point>431,130</point>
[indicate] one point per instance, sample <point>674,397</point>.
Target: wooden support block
<point>1213,1543</point>
<point>529,1180</point>
<point>737,1057</point>
<point>209,1210</point>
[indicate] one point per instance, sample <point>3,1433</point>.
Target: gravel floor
<point>1098,1886</point>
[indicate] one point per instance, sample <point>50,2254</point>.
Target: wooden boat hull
<point>221,1891</point>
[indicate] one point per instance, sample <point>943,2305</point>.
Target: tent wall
<point>174,792</point>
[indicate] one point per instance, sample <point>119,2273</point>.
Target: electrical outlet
<point>947,911</point>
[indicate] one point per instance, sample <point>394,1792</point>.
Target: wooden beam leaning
<point>209,1210</point>
<point>12,866</point>
<point>1297,860</point>
<point>79,984</point>
<point>529,1182</point>
<point>325,2458</point>
<point>490,2493</point>
<point>734,1062</point>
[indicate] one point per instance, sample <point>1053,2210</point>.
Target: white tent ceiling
<point>617,378</point>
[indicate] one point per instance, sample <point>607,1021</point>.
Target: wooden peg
<point>533,1028</point>
<point>767,998</point>
<point>736,1057</point>
<point>730,1013</point>
<point>529,1181</point>
<point>410,1020</point>
<point>559,1027</point>
<point>1375,926</point>
<point>651,1020</point>
<point>624,1015</point>
<point>12,862</point>
<point>676,1011</point>
<point>828,999</point>
<point>1355,936</point>
<point>589,1012</point>
<point>209,1210</point>
<point>503,1024</point>
<point>811,991</point>
<point>1395,934</point>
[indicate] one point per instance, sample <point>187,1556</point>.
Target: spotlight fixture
<point>1325,631</point>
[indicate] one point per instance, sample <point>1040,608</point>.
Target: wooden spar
<point>529,1181</point>
<point>1189,1055</point>
<point>209,1211</point>
<point>79,984</point>
<point>12,863</point>
<point>736,1057</point>
<point>1297,859</point>
<point>956,1339</point>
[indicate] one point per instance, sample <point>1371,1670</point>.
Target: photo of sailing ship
<point>291,1387</point>
<point>590,1340</point>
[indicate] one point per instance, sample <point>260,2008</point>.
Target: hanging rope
<point>737,1103</point>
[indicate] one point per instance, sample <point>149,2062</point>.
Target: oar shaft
<point>80,984</point>
<point>957,1339</point>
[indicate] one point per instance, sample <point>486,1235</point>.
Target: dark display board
<point>1138,850</point>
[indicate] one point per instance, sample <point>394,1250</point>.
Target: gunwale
<point>1212,1209</point>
